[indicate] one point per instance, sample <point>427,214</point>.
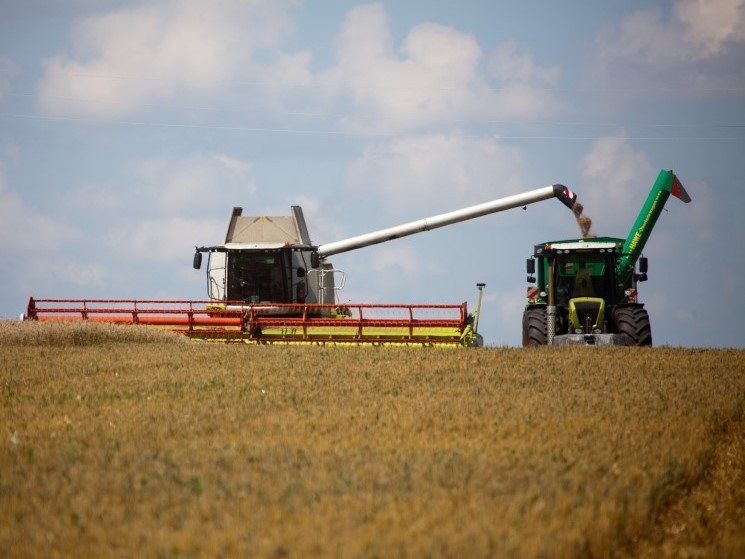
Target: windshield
<point>583,274</point>
<point>257,277</point>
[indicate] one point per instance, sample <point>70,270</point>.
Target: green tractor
<point>584,291</point>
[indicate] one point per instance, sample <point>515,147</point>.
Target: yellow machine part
<point>581,307</point>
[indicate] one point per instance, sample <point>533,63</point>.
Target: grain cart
<point>269,283</point>
<point>585,290</point>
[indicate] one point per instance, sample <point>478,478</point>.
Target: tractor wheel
<point>534,327</point>
<point>633,322</point>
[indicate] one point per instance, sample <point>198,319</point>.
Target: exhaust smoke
<point>584,222</point>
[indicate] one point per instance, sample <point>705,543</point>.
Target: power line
<point>327,132</point>
<point>316,84</point>
<point>310,114</point>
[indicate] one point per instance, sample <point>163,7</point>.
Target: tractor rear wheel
<point>534,327</point>
<point>633,322</point>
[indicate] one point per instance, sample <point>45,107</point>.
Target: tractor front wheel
<point>633,322</point>
<point>535,330</point>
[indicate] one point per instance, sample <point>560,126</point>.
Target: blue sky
<point>128,131</point>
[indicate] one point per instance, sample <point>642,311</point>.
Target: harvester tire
<point>535,330</point>
<point>633,322</point>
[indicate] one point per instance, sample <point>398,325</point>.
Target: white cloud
<point>400,261</point>
<point>193,185</point>
<point>21,228</point>
<point>437,76</point>
<point>429,81</point>
<point>127,59</point>
<point>435,173</point>
<point>81,274</point>
<point>89,198</point>
<point>696,30</point>
<point>509,65</point>
<point>167,205</point>
<point>617,179</point>
<point>699,43</point>
<point>711,24</point>
<point>165,240</point>
<point>289,79</point>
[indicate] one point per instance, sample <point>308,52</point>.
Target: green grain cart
<point>584,291</point>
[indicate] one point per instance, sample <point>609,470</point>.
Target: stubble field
<point>121,441</point>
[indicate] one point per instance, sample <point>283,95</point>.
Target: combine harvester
<point>586,288</point>
<point>268,283</point>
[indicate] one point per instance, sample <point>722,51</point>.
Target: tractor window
<point>258,277</point>
<point>582,275</point>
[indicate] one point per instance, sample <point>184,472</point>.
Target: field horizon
<point>122,441</point>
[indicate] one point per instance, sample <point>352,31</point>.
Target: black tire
<point>534,327</point>
<point>633,322</point>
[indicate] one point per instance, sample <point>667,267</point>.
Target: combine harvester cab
<point>585,292</point>
<point>268,283</point>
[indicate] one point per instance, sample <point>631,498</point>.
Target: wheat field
<point>119,441</point>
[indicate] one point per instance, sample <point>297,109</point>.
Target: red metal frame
<point>243,321</point>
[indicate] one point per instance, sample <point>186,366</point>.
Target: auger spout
<point>667,183</point>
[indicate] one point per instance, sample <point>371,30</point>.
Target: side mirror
<point>643,265</point>
<point>197,260</point>
<point>530,266</point>
<point>314,260</point>
<point>531,279</point>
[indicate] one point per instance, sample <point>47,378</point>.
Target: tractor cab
<point>578,268</point>
<point>578,279</point>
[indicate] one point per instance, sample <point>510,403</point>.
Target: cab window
<point>257,277</point>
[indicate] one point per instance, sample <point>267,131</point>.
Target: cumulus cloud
<point>87,198</point>
<point>508,64</point>
<point>288,85</point>
<point>22,228</point>
<point>191,185</point>
<point>435,173</point>
<point>617,178</point>
<point>166,203</point>
<point>438,75</point>
<point>695,30</point>
<point>712,24</point>
<point>400,262</point>
<point>165,240</point>
<point>706,37</point>
<point>124,60</point>
<point>81,274</point>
